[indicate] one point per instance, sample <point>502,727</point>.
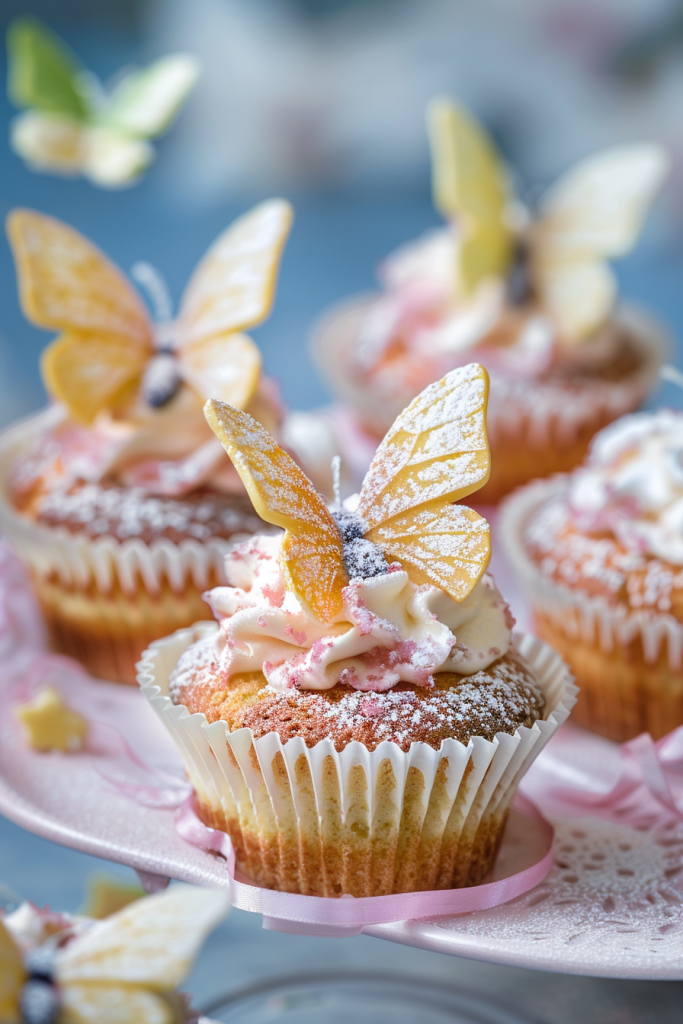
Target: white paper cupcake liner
<point>545,421</point>
<point>579,616</point>
<point>77,561</point>
<point>257,782</point>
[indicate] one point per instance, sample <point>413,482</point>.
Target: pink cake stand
<point>611,906</point>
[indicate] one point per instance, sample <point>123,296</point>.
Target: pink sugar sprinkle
<point>262,621</point>
<point>356,609</point>
<point>510,620</point>
<point>320,649</point>
<point>275,596</point>
<point>395,567</point>
<point>297,635</point>
<point>370,709</point>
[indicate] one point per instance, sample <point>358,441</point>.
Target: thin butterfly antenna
<point>670,373</point>
<point>336,480</point>
<point>154,283</point>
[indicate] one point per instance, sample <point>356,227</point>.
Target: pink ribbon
<point>651,778</point>
<point>348,915</point>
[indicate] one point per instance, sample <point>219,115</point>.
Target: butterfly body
<point>122,970</point>
<point>435,454</point>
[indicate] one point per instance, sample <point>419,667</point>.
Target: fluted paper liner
<point>629,663</point>
<point>321,822</point>
<point>105,600</point>
<point>77,560</point>
<point>559,424</point>
<point>592,620</point>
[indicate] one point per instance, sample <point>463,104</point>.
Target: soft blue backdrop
<point>336,242</point>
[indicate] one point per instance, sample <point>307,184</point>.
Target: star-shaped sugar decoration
<point>50,724</point>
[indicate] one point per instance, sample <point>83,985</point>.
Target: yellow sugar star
<point>50,724</point>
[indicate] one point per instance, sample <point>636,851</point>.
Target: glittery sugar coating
<point>435,454</point>
<point>312,556</point>
<point>437,449</point>
<point>447,546</point>
<point>108,342</point>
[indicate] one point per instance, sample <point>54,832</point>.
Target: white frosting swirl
<point>632,484</point>
<point>166,451</point>
<point>390,630</point>
<point>421,313</point>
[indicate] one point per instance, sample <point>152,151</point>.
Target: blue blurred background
<point>322,101</point>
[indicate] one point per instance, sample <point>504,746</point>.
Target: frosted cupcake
<point>117,498</point>
<point>530,295</point>
<point>359,719</point>
<point>600,555</point>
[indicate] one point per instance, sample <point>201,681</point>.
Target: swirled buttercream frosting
<point>632,484</point>
<point>390,630</point>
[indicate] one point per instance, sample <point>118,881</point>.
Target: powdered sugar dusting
<point>283,495</point>
<point>447,545</point>
<point>123,512</point>
<point>600,564</point>
<point>436,449</point>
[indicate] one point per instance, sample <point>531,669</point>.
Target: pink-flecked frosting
<point>166,451</point>
<point>632,484</point>
<point>391,630</point>
<point>419,308</point>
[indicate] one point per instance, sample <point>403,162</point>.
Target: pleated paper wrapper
<point>320,822</point>
<point>105,600</point>
<point>628,663</point>
<point>530,437</point>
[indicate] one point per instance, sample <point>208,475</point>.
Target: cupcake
<point>117,498</point>
<point>599,553</point>
<point>360,717</point>
<point>530,294</point>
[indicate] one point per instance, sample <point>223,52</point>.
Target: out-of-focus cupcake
<point>599,553</point>
<point>117,497</point>
<point>360,719</point>
<point>527,293</point>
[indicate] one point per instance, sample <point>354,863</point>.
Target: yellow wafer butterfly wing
<point>116,1004</point>
<point>124,968</point>
<point>594,213</point>
<point>312,556</point>
<point>12,977</point>
<point>469,187</point>
<point>67,284</point>
<point>435,454</point>
<point>232,288</point>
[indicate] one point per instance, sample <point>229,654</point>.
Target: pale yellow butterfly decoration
<point>109,350</point>
<point>435,454</point>
<point>593,214</point>
<point>122,970</point>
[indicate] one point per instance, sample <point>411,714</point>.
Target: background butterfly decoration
<point>594,213</point>
<point>125,968</point>
<point>110,352</point>
<point>435,454</point>
<point>72,125</point>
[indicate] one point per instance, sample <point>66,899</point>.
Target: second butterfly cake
<point>117,498</point>
<point>360,718</point>
<point>528,294</point>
